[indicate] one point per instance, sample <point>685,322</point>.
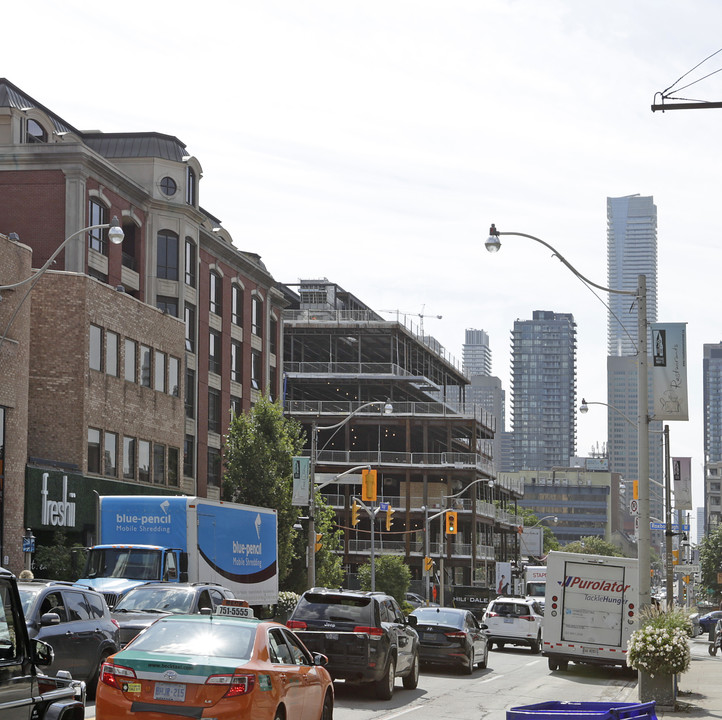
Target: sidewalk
<point>699,691</point>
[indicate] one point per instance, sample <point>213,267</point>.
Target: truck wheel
<point>412,679</point>
<point>564,665</point>
<point>553,664</point>
<point>384,688</point>
<point>469,666</point>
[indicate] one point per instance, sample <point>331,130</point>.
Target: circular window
<point>168,186</point>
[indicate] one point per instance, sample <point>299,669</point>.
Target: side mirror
<point>49,618</point>
<point>42,653</point>
<point>412,620</point>
<point>484,626</point>
<point>319,659</point>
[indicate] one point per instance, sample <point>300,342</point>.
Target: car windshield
<point>167,599</point>
<point>210,638</point>
<point>130,563</point>
<point>27,597</point>
<point>335,608</point>
<point>439,616</point>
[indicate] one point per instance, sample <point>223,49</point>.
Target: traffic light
<point>428,564</point>
<point>319,544</point>
<point>451,522</point>
<point>368,485</point>
<point>635,489</point>
<point>675,557</point>
<point>389,513</point>
<point>354,513</point>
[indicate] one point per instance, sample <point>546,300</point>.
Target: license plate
<point>509,620</point>
<point>590,651</point>
<point>169,691</point>
<point>332,636</point>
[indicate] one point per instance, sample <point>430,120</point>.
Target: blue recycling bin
<point>555,710</point>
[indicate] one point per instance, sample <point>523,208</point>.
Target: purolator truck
<point>591,609</point>
<point>146,538</point>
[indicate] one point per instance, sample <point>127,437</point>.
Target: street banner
<point>682,475</point>
<point>669,371</point>
<point>301,471</point>
<point>503,578</point>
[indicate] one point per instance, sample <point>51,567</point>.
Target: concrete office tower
<point>476,353</point>
<point>631,251</point>
<point>543,387</point>
<point>712,400</point>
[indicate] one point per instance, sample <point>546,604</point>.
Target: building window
<point>189,456</point>
<point>236,361</point>
<point>173,466</point>
<point>160,370</point>
<point>97,215</point>
<point>257,316</point>
<point>112,341</point>
<point>131,348</point>
<point>96,347</point>
<point>191,187</point>
<point>214,352</point>
<point>128,458</point>
<point>190,269</point>
<point>174,376</point>
<point>168,186</point>
<point>237,305</point>
<point>110,442</point>
<point>214,410</point>
<point>93,450</point>
<point>214,467</point>
<point>190,394</point>
<point>128,253</point>
<point>167,255</point>
<point>158,464</point>
<point>190,320</point>
<point>256,370</point>
<point>144,461</point>
<point>168,305</point>
<point>235,406</point>
<point>35,132</point>
<point>216,294</point>
<point>145,365</point>
<point>273,340</point>
<point>273,384</point>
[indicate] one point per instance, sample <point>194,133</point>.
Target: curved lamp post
<point>115,233</point>
<point>493,244</point>
<point>387,409</point>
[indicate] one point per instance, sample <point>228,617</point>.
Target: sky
<point>373,142</point>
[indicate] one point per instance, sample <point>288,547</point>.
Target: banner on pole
<point>682,476</point>
<point>301,481</point>
<point>669,371</point>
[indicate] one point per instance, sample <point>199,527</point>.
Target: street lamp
<point>640,295</point>
<point>388,408</point>
<point>115,233</point>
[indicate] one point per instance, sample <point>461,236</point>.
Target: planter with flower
<point>287,601</point>
<point>659,649</point>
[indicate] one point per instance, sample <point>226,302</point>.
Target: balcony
<point>398,547</point>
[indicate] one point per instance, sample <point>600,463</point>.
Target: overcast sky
<point>373,142</point>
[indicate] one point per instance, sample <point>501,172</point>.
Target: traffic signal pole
<point>372,513</point>
<point>427,522</point>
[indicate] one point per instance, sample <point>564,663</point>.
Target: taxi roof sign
<point>234,608</point>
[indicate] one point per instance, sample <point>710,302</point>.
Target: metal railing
<point>483,509</point>
<point>398,547</point>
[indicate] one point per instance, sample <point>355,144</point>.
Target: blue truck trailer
<point>184,539</point>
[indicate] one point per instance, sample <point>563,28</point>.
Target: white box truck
<point>591,609</point>
<point>535,582</point>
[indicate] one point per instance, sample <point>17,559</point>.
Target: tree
<point>59,561</point>
<point>257,454</point>
<point>392,576</point>
<point>710,560</point>
<point>593,545</point>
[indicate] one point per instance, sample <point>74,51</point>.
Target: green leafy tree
<point>392,576</point>
<point>59,561</point>
<point>593,545</point>
<point>710,561</point>
<point>257,454</point>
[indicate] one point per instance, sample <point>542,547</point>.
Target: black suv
<point>143,605</point>
<point>75,621</point>
<point>364,635</point>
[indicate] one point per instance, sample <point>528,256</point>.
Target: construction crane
<point>420,315</point>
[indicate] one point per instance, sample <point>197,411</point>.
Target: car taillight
<point>456,635</point>
<point>114,675</point>
<point>238,684</point>
<point>296,624</point>
<point>530,618</point>
<point>489,613</point>
<point>372,631</point>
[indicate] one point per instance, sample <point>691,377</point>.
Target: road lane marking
<point>399,714</point>
<point>491,678</point>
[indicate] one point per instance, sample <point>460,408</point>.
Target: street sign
<point>687,569</point>
<point>662,526</point>
<point>634,507</point>
<point>383,506</point>
<point>28,544</point>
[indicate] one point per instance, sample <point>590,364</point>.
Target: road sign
<point>662,526</point>
<point>383,506</point>
<point>687,569</point>
<point>634,507</point>
<point>28,544</point>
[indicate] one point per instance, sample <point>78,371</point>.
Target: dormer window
<point>35,132</point>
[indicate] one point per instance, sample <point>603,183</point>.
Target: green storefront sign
<point>61,500</point>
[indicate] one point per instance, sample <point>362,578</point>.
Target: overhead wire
<point>665,92</point>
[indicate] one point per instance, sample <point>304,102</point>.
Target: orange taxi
<point>215,666</point>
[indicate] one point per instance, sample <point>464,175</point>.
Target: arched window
<point>216,293</point>
<point>191,187</point>
<point>35,132</point>
<point>257,316</point>
<point>167,267</point>
<point>97,215</point>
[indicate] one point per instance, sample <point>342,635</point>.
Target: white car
<point>514,621</point>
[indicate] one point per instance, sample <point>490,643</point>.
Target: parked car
<point>415,600</point>
<point>364,635</point>
<point>514,621</point>
<point>451,636</point>
<point>708,622</point>
<point>75,621</point>
<point>144,604</point>
<point>220,666</point>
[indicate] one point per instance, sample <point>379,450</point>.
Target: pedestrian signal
<point>428,564</point>
<point>319,544</point>
<point>368,485</point>
<point>389,513</point>
<point>451,528</point>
